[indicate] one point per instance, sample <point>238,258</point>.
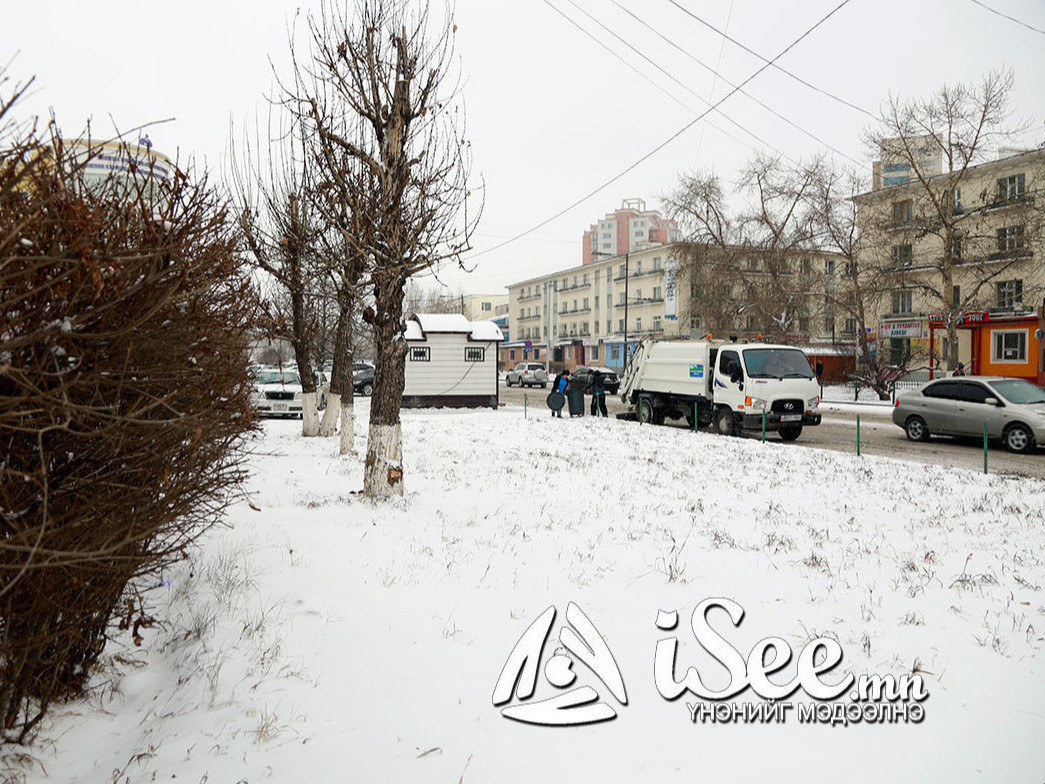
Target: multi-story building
<point>964,247</point>
<point>631,228</point>
<point>474,307</point>
<point>584,314</point>
<point>894,164</point>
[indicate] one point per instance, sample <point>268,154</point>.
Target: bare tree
<point>383,104</point>
<point>273,193</point>
<point>744,266</point>
<point>866,280</point>
<point>943,228</point>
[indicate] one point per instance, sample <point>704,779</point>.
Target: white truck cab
<point>732,386</point>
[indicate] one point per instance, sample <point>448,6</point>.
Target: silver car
<point>527,374</point>
<point>1012,409</point>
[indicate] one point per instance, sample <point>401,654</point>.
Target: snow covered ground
<point>326,638</point>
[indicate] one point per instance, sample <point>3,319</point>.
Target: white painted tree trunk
<point>383,471</point>
<point>348,428</point>
<point>309,414</point>
<point>328,427</point>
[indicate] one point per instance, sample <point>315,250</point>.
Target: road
<point>878,436</point>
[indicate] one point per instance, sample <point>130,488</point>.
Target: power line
<point>1010,18</point>
<point>651,81</point>
<point>685,87</point>
<point>780,68</point>
<point>746,94</point>
<point>670,139</point>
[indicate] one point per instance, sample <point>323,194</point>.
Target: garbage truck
<point>730,387</point>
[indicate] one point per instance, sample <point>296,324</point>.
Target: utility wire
<point>651,81</point>
<point>772,62</point>
<point>746,94</point>
<point>684,86</point>
<point>714,82</point>
<point>1010,18</point>
<point>670,139</point>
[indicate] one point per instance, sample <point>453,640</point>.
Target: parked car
<point>527,374</point>
<point>609,378</point>
<point>1013,410</point>
<point>363,381</point>
<point>277,392</point>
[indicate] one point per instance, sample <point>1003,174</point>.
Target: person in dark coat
<point>597,385</point>
<point>559,385</point>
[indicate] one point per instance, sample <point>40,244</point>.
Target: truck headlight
<point>757,403</point>
<point>813,402</point>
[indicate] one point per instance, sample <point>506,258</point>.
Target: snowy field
<point>325,638</point>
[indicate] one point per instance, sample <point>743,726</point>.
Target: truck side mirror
<point>819,368</point>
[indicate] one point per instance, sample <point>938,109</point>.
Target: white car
<point>278,392</point>
<point>527,374</point>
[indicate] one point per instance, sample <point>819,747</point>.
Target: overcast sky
<point>552,114</point>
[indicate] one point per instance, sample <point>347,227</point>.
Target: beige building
<point>583,314</point>
<point>965,248</point>
<point>474,307</point>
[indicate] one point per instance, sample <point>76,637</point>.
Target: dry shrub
<point>124,317</point>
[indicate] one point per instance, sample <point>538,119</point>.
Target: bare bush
<point>123,399</point>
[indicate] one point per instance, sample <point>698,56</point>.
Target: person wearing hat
<point>960,370</point>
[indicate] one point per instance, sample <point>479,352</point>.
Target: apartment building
<point>584,314</point>
<point>474,307</point>
<point>630,228</point>
<point>965,247</point>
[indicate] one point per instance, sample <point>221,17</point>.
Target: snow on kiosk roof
<point>419,325</point>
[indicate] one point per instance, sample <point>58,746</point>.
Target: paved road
<point>878,436</point>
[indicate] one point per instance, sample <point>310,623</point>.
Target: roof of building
<point>419,325</point>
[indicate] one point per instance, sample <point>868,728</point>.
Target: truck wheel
<point>790,433</point>
<point>646,415</point>
<point>724,422</point>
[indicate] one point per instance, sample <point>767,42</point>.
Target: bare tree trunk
<point>383,470</point>
<point>342,341</point>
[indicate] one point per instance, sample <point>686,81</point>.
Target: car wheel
<point>507,382</point>
<point>916,429</point>
<point>1019,439</point>
<point>725,425</point>
<point>646,411</point>
<point>368,390</point>
<point>790,433</point>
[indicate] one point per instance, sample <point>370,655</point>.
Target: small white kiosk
<point>451,361</point>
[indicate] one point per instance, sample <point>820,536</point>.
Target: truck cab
<point>764,384</point>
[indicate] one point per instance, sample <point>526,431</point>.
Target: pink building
<point>628,229</point>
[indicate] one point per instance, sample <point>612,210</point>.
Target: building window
<point>850,269</point>
<point>803,324</point>
<point>487,306</point>
<point>638,324</point>
<point>752,265</point>
<point>621,272</point>
<point>474,354</point>
<point>511,354</point>
<point>693,290</point>
<point>595,353</point>
<point>615,352</point>
<point>1011,188</point>
<point>829,266</point>
<point>805,267</point>
<point>621,327</point>
<point>903,302</point>
<point>585,279</point>
<point>656,323</point>
<point>585,304</point>
<point>892,168</point>
<point>1010,239</point>
<point>850,326</point>
<point>1009,345</point>
<point>420,354</point>
<point>956,294</point>
<point>638,267</point>
<point>903,211</point>
<point>902,255</point>
<point>656,263</point>
<point>1010,294</point>
<point>656,292</point>
<point>694,322</point>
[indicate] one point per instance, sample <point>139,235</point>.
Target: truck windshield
<point>776,363</point>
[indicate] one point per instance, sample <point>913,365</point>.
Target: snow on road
<point>324,637</point>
